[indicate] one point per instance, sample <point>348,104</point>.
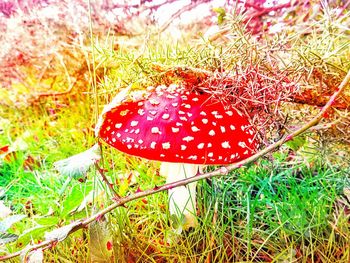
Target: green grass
<point>270,211</point>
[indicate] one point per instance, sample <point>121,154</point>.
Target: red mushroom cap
<point>171,124</point>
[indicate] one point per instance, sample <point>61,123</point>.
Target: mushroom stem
<point>182,200</point>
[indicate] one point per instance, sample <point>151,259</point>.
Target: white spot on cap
<point>119,135</point>
<point>187,106</point>
<point>181,112</point>
<point>134,123</point>
<point>154,102</point>
<point>113,139</point>
<point>203,113</point>
<point>137,131</point>
<point>175,104</point>
<point>233,155</point>
<point>218,116</point>
<point>243,127</point>
<point>140,103</point>
<point>225,145</point>
<point>200,146</point>
<point>141,111</point>
<point>195,129</point>
<point>124,112</point>
<point>205,121</point>
<point>210,154</point>
<point>153,112</point>
<point>183,147</point>
<point>229,113</point>
<point>189,114</point>
<point>128,139</point>
<point>175,130</point>
<point>242,145</point>
<point>170,96</point>
<point>250,140</point>
<point>214,123</point>
<point>251,132</point>
<point>209,145</point>
<point>162,155</point>
<point>129,146</point>
<point>188,138</point>
<point>232,127</point>
<point>178,124</point>
<point>211,132</point>
<point>192,157</point>
<point>149,118</point>
<point>246,152</point>
<point>222,128</point>
<point>118,125</point>
<point>214,112</point>
<point>195,99</point>
<point>140,141</point>
<point>166,145</point>
<point>220,158</point>
<point>165,116</point>
<point>155,130</point>
<point>183,118</point>
<point>153,145</point>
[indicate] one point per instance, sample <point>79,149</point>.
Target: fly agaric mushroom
<point>183,130</point>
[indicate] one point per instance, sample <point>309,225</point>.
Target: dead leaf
<point>61,233</point>
<point>77,165</point>
<point>101,242</point>
<point>4,210</point>
<point>36,256</point>
<point>30,163</point>
<point>4,149</point>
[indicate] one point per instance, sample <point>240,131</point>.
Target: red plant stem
<point>104,178</point>
<point>218,172</point>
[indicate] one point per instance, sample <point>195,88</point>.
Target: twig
<point>179,12</point>
<point>104,178</point>
<point>222,171</point>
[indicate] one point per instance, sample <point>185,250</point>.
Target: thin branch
<point>222,171</point>
<point>179,12</point>
<point>105,179</point>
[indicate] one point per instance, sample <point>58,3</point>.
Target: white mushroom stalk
<point>182,200</point>
<point>181,129</point>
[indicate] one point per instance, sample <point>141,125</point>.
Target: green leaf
<point>47,221</point>
<point>34,233</point>
<point>7,238</point>
<point>296,143</point>
<point>9,221</point>
<point>74,199</point>
<point>221,14</point>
